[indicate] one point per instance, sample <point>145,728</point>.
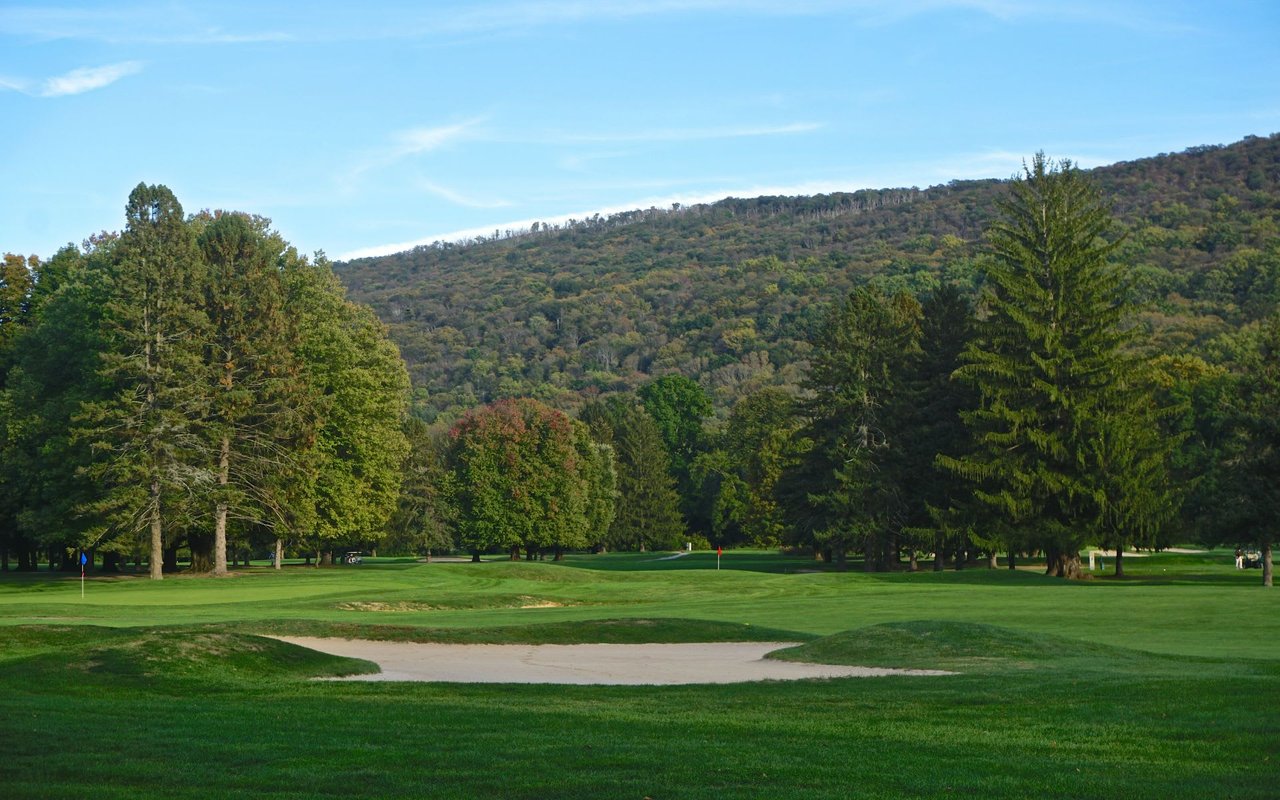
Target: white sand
<point>617,664</point>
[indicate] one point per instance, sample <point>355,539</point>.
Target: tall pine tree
<point>257,408</point>
<point>152,454</point>
<point>1047,363</point>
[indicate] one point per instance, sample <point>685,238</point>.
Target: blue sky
<point>368,127</point>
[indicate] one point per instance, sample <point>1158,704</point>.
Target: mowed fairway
<point>1163,685</point>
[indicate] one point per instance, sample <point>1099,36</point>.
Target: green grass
<point>1163,685</point>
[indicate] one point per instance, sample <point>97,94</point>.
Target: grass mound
<point>961,646</point>
<point>151,653</point>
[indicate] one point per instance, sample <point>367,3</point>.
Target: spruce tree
<point>842,493</point>
<point>1047,363</point>
<point>648,513</point>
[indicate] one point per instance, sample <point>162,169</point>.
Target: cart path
<point>613,664</point>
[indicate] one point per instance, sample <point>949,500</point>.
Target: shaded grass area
<point>201,713</point>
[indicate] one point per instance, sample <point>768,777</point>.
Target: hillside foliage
<point>729,294</point>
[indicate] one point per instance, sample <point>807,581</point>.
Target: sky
<point>363,128</point>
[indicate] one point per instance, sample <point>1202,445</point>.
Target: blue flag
<point>83,559</point>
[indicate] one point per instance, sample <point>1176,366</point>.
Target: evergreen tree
<point>152,458</point>
<point>648,513</point>
<point>1046,363</point>
<point>1132,450</point>
<point>929,418</point>
<point>847,497</point>
<point>257,407</point>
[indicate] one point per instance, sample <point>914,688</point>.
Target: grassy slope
<point>1049,703</point>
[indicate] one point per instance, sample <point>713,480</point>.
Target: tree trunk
<point>1012,559</point>
<point>1064,565</point>
<point>1267,568</point>
<point>111,562</point>
<point>4,559</point>
<point>157,539</point>
<point>1119,562</point>
<point>220,512</point>
<point>559,556</point>
<point>939,554</point>
<point>842,563</point>
<point>914,562</point>
<point>171,558</point>
<point>201,552</point>
<point>324,559</point>
<point>279,553</point>
<point>475,556</point>
<point>993,560</point>
<point>515,552</point>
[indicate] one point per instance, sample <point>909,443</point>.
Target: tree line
<point>194,383</point>
<point>1026,418</point>
<point>191,382</point>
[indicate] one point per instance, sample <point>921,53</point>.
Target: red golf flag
<point>718,551</point>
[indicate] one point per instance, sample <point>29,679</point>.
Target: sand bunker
<point>615,664</point>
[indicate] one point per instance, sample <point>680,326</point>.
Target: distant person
<point>1239,558</point>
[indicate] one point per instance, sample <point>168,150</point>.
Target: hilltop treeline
<point>730,293</point>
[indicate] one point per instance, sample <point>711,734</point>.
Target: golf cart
<point>353,557</point>
<point>1252,559</point>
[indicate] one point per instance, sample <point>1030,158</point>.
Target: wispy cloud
<point>680,134</point>
<point>86,79</point>
<point>458,198</point>
<point>424,140</point>
<point>77,81</point>
<point>408,143</point>
<point>143,23</point>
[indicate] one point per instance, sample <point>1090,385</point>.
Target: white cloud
<point>86,79</point>
<point>77,81</point>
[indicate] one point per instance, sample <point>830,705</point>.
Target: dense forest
<point>729,294</point>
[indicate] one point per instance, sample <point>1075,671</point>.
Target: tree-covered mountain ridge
<point>730,293</point>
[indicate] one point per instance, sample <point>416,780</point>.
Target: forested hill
<point>728,293</point>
